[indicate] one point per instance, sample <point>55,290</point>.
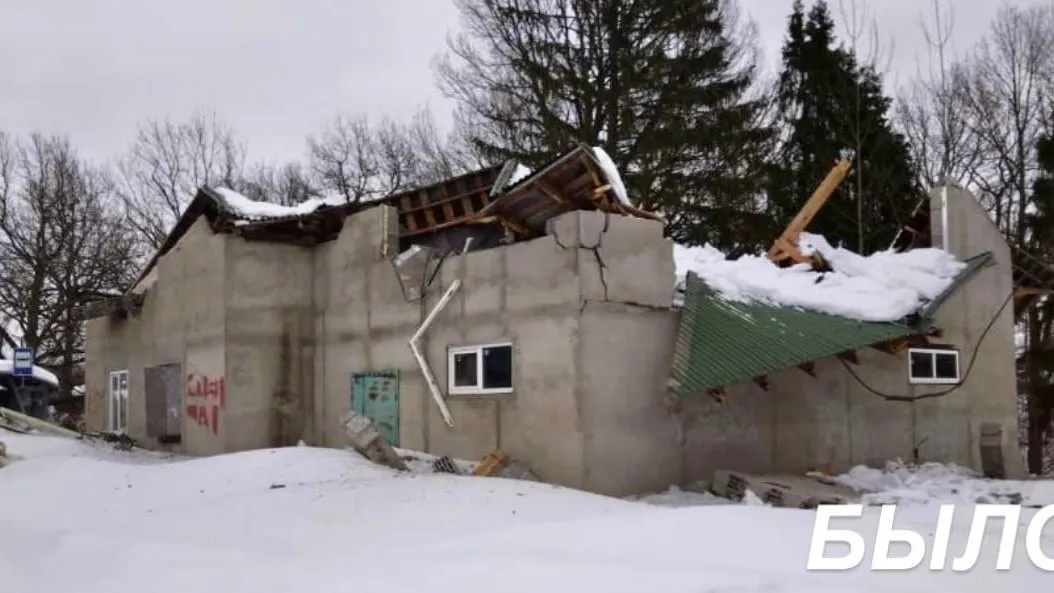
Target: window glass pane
<point>922,365</point>
<point>465,369</point>
<point>114,385</point>
<point>497,367</point>
<point>124,381</point>
<point>122,420</point>
<point>947,366</point>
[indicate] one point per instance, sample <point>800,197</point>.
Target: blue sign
<point>23,362</point>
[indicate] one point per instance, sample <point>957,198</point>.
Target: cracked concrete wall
<point>534,294</point>
<point>586,308</point>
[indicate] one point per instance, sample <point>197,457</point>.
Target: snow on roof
<point>519,174</point>
<point>611,172</point>
<point>7,368</point>
<point>253,210</point>
<point>884,286</point>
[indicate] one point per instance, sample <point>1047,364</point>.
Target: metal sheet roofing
<point>721,342</point>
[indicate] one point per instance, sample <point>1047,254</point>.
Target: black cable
<point>973,359</point>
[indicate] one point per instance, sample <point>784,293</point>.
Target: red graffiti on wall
<point>206,397</point>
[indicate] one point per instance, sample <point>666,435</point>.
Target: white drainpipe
<point>944,217</point>
<point>421,362</point>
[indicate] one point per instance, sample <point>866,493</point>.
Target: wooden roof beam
<point>816,201</point>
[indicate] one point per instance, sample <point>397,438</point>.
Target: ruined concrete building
<point>543,323</point>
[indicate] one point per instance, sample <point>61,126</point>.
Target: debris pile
<point>368,441</point>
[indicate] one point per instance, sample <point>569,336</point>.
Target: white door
<point>117,408</point>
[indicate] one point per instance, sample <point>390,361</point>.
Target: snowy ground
<point>81,518</point>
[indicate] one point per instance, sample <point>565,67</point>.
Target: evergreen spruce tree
<point>664,86</point>
<point>830,103</point>
<point>1040,360</point>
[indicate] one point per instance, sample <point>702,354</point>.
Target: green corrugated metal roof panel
<point>721,342</point>
<point>973,264</point>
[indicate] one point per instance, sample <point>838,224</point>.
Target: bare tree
<point>168,162</point>
<point>288,184</point>
<point>861,29</point>
<point>361,160</point>
<point>61,241</point>
<point>1007,97</point>
<point>932,111</point>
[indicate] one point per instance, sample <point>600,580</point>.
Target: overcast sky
<point>278,69</point>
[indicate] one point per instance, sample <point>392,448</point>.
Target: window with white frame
<point>117,402</point>
<point>928,366</point>
<point>480,370</point>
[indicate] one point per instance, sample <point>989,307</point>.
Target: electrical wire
<point>969,367</point>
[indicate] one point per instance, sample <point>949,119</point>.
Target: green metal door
<point>376,396</point>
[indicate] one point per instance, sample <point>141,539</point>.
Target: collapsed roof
<point>506,196</point>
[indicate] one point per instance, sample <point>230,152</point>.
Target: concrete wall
<point>183,321</point>
<point>269,344</point>
<point>231,313</point>
<point>990,392</point>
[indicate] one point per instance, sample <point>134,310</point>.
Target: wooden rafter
<point>786,245</point>
<point>895,347</point>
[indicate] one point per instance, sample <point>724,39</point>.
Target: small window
<point>933,367</point>
<point>480,370</point>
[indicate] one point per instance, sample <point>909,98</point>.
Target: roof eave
<point>974,264</point>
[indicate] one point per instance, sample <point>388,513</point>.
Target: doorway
<point>376,396</point>
<point>117,403</point>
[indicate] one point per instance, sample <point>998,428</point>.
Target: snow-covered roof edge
<point>7,367</point>
<point>885,286</point>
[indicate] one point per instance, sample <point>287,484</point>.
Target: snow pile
<point>607,165</point>
<point>253,210</point>
<point>518,175</point>
<point>309,519</point>
<point>884,286</point>
<point>675,497</point>
<point>930,483</point>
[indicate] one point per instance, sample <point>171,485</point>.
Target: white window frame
<point>478,388</point>
<point>933,352</point>
<point>116,399</point>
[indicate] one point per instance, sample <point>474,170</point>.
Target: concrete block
<point>366,439</point>
<point>782,491</point>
